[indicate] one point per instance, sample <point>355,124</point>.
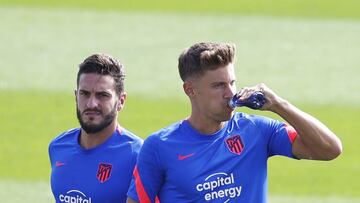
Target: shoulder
<point>166,133</point>
<point>262,123</point>
<point>64,141</point>
<point>131,138</point>
<point>65,137</point>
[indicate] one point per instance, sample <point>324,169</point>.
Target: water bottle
<point>255,101</point>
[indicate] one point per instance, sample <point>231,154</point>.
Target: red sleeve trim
<point>291,133</point>
<point>143,196</point>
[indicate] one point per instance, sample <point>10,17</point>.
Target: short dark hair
<point>104,64</point>
<point>205,56</point>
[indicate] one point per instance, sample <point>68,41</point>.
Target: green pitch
<point>311,61</point>
<point>300,8</point>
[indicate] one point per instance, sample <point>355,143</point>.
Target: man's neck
<point>205,126</point>
<point>91,140</point>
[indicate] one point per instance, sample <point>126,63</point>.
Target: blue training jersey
<point>179,164</point>
<point>101,174</point>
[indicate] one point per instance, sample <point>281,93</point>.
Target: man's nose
<point>230,91</point>
<point>92,102</point>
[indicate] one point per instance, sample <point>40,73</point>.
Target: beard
<point>94,128</point>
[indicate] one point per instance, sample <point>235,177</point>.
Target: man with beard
<point>216,155</point>
<point>94,163</point>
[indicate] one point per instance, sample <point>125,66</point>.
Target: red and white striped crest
<point>235,144</point>
<point>104,171</point>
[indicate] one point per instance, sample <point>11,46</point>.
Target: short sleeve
<point>281,138</point>
<point>278,136</point>
<point>148,174</point>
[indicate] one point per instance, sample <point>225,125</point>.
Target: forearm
<point>315,140</point>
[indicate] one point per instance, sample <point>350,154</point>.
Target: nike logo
<point>58,164</point>
<point>182,157</point>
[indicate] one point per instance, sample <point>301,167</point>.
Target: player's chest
<point>223,165</point>
<point>90,176</point>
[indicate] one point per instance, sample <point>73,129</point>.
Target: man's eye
<point>84,93</point>
<point>103,95</point>
<point>219,85</point>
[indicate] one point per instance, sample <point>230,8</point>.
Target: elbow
<point>335,151</point>
<point>338,150</point>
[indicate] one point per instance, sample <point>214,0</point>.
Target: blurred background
<point>307,51</point>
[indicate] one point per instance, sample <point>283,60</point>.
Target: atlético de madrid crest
<point>234,144</point>
<point>104,171</point>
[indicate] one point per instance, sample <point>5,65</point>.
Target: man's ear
<point>121,101</point>
<point>189,88</point>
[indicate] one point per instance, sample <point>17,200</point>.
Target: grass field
<point>302,8</point>
<point>311,61</point>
